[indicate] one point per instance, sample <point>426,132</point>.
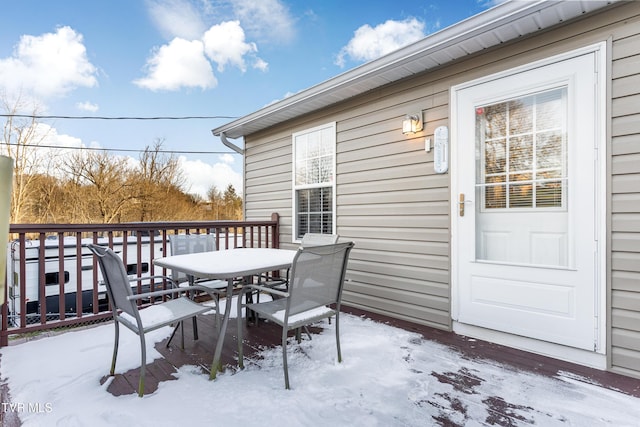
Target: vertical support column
<point>6,182</point>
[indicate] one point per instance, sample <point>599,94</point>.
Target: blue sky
<point>148,58</point>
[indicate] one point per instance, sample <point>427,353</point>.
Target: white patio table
<point>228,265</point>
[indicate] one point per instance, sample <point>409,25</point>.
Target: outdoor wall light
<point>412,123</point>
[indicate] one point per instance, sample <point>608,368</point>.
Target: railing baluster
<point>94,271</point>
<point>42,281</point>
<point>21,315</point>
<point>79,293</point>
<point>61,276</point>
<point>23,280</point>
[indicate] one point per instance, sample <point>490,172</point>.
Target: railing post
<point>275,238</point>
<point>4,335</point>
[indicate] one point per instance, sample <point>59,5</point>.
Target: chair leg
<point>143,368</point>
<point>195,329</point>
<point>306,331</point>
<point>115,348</point>
<point>338,337</point>
<point>240,330</point>
<point>175,329</point>
<point>182,334</point>
<point>284,358</point>
<point>217,300</point>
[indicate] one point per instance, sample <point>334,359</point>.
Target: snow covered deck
<point>394,373</point>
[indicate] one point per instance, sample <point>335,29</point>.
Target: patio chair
<point>308,240</point>
<point>125,305</point>
<point>282,283</point>
<point>193,243</point>
<point>317,279</point>
<point>318,239</point>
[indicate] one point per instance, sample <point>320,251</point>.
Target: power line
<point>36,116</point>
<point>117,149</point>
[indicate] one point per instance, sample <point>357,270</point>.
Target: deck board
<point>257,337</point>
<point>200,353</point>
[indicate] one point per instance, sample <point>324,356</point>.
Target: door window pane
<point>521,180</point>
<point>522,152</point>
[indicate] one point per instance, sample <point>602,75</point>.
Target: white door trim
<point>558,351</point>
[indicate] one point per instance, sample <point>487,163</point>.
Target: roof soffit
<point>500,24</point>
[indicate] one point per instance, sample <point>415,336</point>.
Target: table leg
<point>216,365</point>
<point>195,323</point>
<point>247,280</point>
<point>239,320</point>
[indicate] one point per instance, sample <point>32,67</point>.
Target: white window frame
<point>295,187</point>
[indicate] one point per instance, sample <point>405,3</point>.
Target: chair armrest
<point>167,278</point>
<point>170,291</point>
<point>268,290</point>
<point>172,283</point>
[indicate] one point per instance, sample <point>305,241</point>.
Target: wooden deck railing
<point>40,255</point>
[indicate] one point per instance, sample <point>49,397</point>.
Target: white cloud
<point>181,63</point>
<point>87,106</point>
<point>56,139</point>
<point>49,65</point>
<point>228,159</point>
<point>177,65</point>
<point>201,176</point>
<point>225,44</point>
<point>260,64</point>
<point>176,18</point>
<point>370,43</point>
<point>265,18</point>
<point>49,153</point>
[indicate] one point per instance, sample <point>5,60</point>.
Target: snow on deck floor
<point>389,377</point>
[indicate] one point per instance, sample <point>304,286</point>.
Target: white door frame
<point>596,358</point>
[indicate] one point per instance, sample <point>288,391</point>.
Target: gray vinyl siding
<point>267,186</point>
<point>397,210</point>
<point>625,200</point>
<point>389,201</point>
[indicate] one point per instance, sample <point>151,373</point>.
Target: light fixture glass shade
<point>412,123</point>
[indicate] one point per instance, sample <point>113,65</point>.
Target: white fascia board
<point>396,65</point>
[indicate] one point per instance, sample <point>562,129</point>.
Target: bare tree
<point>216,201</point>
<point>21,137</point>
<point>101,187</point>
<point>158,176</point>
<point>49,199</point>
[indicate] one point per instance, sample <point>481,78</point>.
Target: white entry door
<point>525,240</point>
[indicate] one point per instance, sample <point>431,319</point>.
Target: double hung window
<point>314,170</point>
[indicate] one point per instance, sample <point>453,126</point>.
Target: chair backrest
<point>188,244</point>
<point>317,276</point>
<point>115,279</point>
<point>317,239</point>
